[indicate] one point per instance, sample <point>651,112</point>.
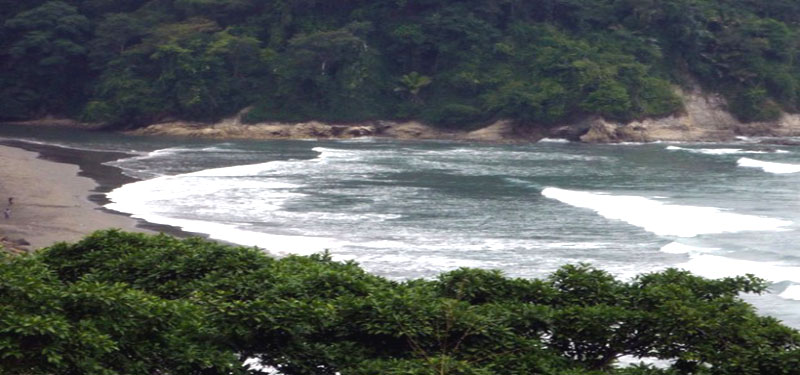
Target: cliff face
<point>705,119</point>
<point>233,128</point>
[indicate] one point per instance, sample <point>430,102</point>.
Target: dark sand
<point>58,192</point>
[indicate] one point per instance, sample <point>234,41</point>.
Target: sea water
<point>416,209</point>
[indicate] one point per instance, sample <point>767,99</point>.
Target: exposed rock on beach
<point>705,119</point>
<point>233,128</point>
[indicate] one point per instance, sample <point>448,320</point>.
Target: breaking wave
<point>664,219</point>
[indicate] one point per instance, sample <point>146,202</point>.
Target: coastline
<point>705,118</point>
<point>58,195</point>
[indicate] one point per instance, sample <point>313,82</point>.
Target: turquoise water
<point>415,209</point>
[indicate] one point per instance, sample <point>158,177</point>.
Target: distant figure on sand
<point>7,213</point>
<point>10,200</point>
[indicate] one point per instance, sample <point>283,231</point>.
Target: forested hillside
<point>446,62</point>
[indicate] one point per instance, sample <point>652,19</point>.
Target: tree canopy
<point>448,62</point>
<point>138,304</point>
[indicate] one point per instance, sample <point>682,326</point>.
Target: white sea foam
<point>638,143</point>
<point>720,151</point>
<point>578,245</point>
<point>553,140</point>
<point>170,151</point>
<point>273,243</point>
<point>223,150</point>
<point>341,216</point>
<point>665,219</point>
<point>517,181</point>
<point>714,267</point>
<point>164,152</point>
<point>791,292</point>
<point>334,153</point>
<point>680,248</point>
<point>137,166</point>
<point>363,139</point>
<point>768,166</point>
<point>257,169</point>
<point>212,193</point>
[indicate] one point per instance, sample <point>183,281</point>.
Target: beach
<point>54,201</point>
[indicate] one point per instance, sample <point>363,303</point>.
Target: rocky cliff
<point>704,119</point>
<point>233,128</point>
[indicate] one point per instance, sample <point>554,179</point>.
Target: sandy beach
<point>51,201</point>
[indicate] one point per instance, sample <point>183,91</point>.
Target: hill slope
<point>449,63</point>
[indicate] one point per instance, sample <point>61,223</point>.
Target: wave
<point>325,152</point>
<point>769,166</point>
<point>166,161</point>
<point>170,151</point>
<point>220,149</point>
<point>715,266</point>
<point>791,292</point>
<point>274,243</point>
<point>553,140</point>
<point>665,219</point>
<point>723,151</point>
<point>164,152</point>
<point>247,170</point>
<point>680,248</point>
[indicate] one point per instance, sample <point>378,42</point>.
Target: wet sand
<point>57,194</point>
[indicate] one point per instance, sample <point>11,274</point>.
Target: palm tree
<point>414,82</point>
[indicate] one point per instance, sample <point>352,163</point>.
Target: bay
<point>416,209</point>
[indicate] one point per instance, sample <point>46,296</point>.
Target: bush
<point>132,303</point>
<point>754,105</point>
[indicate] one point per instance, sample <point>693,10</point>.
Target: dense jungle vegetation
<point>446,62</point>
<point>118,303</point>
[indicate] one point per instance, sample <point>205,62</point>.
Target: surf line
<point>664,219</point>
<point>768,166</point>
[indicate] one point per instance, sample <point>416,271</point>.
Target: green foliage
<point>49,326</point>
<point>453,63</point>
<point>132,303</point>
<point>753,104</point>
<point>414,82</point>
<point>44,58</point>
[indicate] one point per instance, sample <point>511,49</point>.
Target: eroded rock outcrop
<point>705,119</point>
<point>233,128</point>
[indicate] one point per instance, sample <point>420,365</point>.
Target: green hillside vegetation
<point>453,63</point>
<point>117,303</point>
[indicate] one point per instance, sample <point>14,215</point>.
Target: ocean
<point>416,209</point>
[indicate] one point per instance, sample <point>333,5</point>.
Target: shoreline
<point>53,186</point>
<point>705,118</point>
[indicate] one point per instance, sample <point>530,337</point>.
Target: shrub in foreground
<point>137,304</point>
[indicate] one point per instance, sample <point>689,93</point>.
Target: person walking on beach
<point>10,200</point>
<point>7,213</point>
